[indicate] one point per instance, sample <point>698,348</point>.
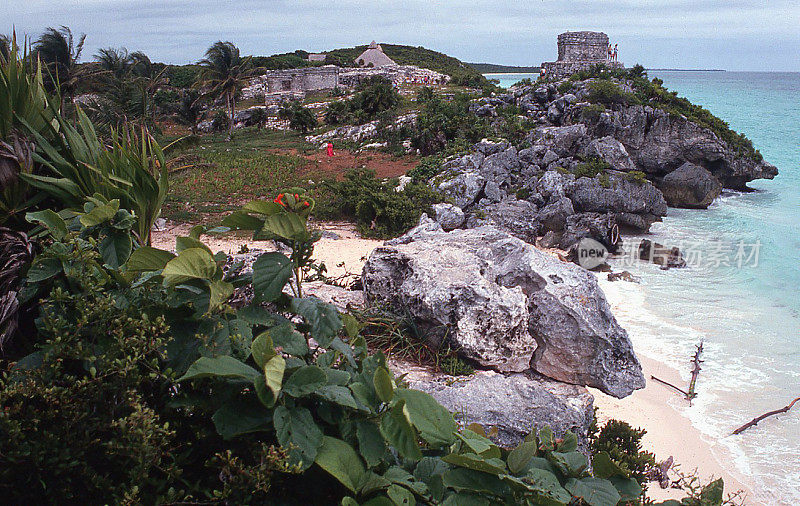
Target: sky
<point>757,35</point>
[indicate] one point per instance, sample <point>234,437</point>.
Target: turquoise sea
<point>740,295</point>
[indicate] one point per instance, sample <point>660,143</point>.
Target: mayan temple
<point>579,51</point>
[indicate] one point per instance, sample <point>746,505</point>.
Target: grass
<point>226,174</point>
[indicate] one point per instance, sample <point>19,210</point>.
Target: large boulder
<point>506,305</point>
<point>620,196</point>
<point>690,186</point>
<point>513,403</point>
<point>517,217</point>
<point>612,151</point>
<point>448,216</point>
<point>463,188</point>
<point>564,141</point>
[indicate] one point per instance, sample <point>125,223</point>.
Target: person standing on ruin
<point>610,52</point>
<point>615,52</point>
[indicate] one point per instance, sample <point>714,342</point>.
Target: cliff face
<point>595,159</point>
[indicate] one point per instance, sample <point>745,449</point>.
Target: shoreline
<point>669,432</point>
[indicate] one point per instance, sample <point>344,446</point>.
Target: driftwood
<point>695,372</point>
<point>693,383</point>
<point>757,419</point>
<point>670,385</point>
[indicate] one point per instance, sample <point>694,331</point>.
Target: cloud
<point>735,34</point>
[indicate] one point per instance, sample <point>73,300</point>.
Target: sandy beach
<point>668,432</point>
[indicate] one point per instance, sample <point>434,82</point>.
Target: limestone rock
<point>690,186</point>
<point>506,305</point>
<point>613,152</point>
<point>464,188</point>
<point>514,403</point>
<point>448,216</point>
<point>621,196</point>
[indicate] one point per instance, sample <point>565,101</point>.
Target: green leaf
<point>520,456</point>
<point>297,431</point>
<point>435,423</point>
<point>323,318</point>
<point>628,488</point>
<point>116,248</point>
<point>571,464</point>
<point>273,374</point>
<point>50,219</point>
<point>340,461</point>
<point>262,349</point>
<point>382,380</point>
<point>594,491</point>
<point>546,483</point>
<point>477,443</point>
<point>147,258</point>
<point>351,325</point>
<point>193,263</point>
<point>546,439</point>
<point>100,214</point>
<point>569,443</point>
<point>263,207</point>
<point>224,367</point>
<point>243,221</point>
<point>184,243</point>
<point>305,380</point>
<point>712,493</point>
<point>474,481</point>
<point>370,442</point>
<point>287,225</point>
<point>271,272</point>
<point>337,394</point>
<point>401,496</point>
<point>396,428</point>
<point>44,268</point>
<point>241,417</point>
<point>220,292</point>
<point>289,340</point>
<point>476,462</point>
<point>466,499</point>
<point>604,467</point>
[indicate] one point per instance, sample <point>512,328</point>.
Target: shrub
<point>377,208</point>
<point>220,121</point>
<point>336,113</point>
<point>636,176</point>
<point>623,444</point>
<point>427,168</point>
<point>565,87</point>
<point>376,97</point>
<point>608,93</point>
<point>591,168</point>
<point>441,122</point>
<point>592,112</point>
<point>300,118</point>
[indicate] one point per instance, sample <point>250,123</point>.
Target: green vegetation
<point>565,87</point>
<point>652,92</point>
<point>300,118</point>
<point>223,74</point>
<point>375,95</point>
<point>623,444</point>
<point>375,205</point>
<point>592,167</point>
<point>591,113</point>
<point>442,121</point>
<point>462,73</point>
<point>637,176</point>
<point>58,51</point>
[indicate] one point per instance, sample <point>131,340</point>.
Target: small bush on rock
<point>591,168</point>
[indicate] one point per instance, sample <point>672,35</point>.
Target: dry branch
<point>695,372</point>
<point>757,419</point>
<point>669,385</point>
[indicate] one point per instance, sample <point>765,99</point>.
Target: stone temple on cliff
<point>579,51</point>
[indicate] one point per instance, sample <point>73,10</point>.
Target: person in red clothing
<point>330,148</point>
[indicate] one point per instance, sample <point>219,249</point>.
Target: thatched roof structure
<point>375,56</point>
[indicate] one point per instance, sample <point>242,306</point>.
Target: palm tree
<point>114,62</point>
<point>224,73</point>
<point>57,50</point>
<point>146,78</point>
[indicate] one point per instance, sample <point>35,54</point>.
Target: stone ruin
<point>579,51</point>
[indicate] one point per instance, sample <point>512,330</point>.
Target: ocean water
<point>507,80</point>
<point>740,295</point>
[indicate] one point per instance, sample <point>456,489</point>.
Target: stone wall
<point>579,51</point>
<point>582,46</point>
<point>301,80</point>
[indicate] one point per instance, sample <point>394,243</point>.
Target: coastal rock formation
<point>514,403</point>
<point>505,305</point>
<point>690,186</point>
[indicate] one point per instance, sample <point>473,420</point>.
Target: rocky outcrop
<point>690,186</point>
<point>505,305</point>
<point>613,160</point>
<point>359,133</point>
<point>513,403</point>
